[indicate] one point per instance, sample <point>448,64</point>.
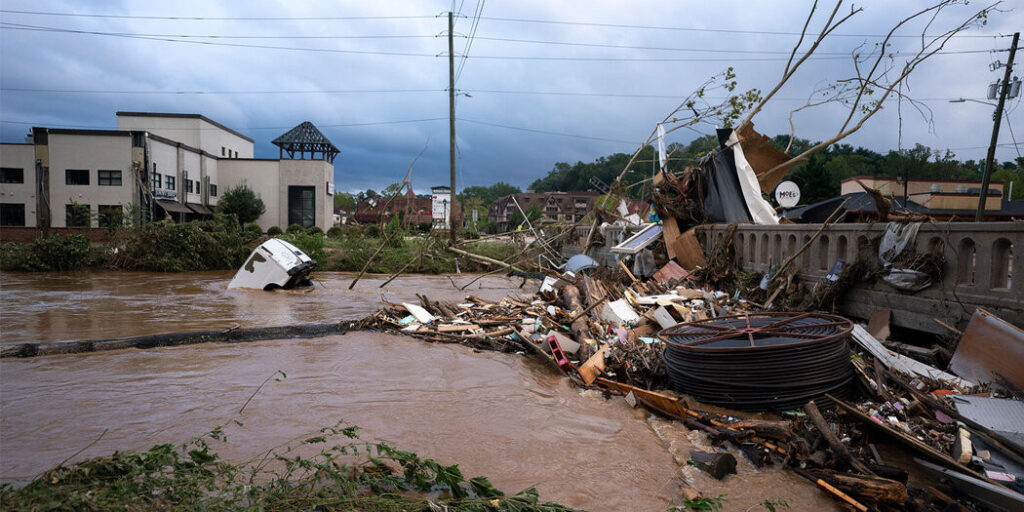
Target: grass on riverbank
<point>345,476</point>
<point>222,244</point>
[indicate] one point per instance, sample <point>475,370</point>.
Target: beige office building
<point>161,166</point>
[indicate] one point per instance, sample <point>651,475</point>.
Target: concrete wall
<point>181,129</point>
<point>93,153</point>
<point>315,173</point>
<point>980,259</point>
<point>213,139</point>
<point>211,176</point>
<point>260,175</point>
<point>20,156</point>
<point>163,160</point>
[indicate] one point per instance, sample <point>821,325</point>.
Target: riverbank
<point>223,244</point>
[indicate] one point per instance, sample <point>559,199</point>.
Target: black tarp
<point>723,196</point>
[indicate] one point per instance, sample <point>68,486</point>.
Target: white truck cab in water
<point>274,264</point>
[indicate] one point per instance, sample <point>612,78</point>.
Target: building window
<point>12,214</point>
<point>77,215</point>
<point>222,151</point>
<point>12,175</point>
<point>157,182</point>
<point>110,178</point>
<point>110,215</point>
<point>76,176</point>
<point>188,186</point>
<point>213,190</point>
<point>170,182</point>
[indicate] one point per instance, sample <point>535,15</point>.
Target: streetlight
<point>962,100</point>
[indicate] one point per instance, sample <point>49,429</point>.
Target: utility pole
<point>452,234</point>
<point>995,131</point>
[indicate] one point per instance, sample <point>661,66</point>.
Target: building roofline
<point>186,147</point>
<point>75,131</point>
<point>183,115</point>
<point>17,144</point>
<point>918,180</point>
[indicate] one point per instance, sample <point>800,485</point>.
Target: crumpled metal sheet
<point>990,344</point>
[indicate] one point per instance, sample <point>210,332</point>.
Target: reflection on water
<point>47,307</point>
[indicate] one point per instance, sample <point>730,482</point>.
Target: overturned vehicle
<point>274,264</point>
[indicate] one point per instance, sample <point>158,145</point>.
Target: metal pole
<point>989,161</point>
<point>453,234</point>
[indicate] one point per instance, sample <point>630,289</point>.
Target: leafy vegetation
<point>242,202</point>
<point>54,252</point>
<point>350,475</point>
<point>168,247</point>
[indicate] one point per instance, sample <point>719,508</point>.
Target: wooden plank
<point>457,327</point>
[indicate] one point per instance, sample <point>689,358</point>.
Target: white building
<point>161,166</point>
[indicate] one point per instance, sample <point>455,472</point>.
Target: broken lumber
<point>838,448</point>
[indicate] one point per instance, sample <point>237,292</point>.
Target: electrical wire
<point>711,30</point>
<point>469,40</point>
<point>36,28</point>
<point>546,132</point>
<point>215,18</point>
<point>345,125</point>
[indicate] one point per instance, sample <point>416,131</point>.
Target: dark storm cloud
<point>375,155</point>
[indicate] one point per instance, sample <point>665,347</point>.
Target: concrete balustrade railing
<point>979,263</point>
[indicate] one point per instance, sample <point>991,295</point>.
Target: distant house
<point>414,209</point>
<point>555,206</point>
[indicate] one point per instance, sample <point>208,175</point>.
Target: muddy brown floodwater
<point>499,415</point>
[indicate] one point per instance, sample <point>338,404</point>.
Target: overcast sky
<point>381,99</point>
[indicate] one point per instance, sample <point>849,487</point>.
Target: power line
<point>545,132</point>
<point>830,56</point>
<point>701,50</point>
<point>97,91</point>
<point>472,34</point>
<point>346,125</point>
<point>216,18</point>
<point>15,26</point>
<point>490,18</point>
<point>381,91</point>
<point>712,30</point>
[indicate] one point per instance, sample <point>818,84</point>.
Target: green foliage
<point>274,231</point>
<point>469,234</point>
<point>54,252</point>
<point>335,232</point>
<point>309,242</point>
<point>315,229</point>
<point>373,231</point>
<point>295,228</point>
<point>168,247</point>
<point>775,505</point>
<point>242,202</point>
<point>488,195</point>
<point>533,212</point>
<point>344,201</point>
<point>253,230</point>
<point>712,504</point>
<point>343,476</point>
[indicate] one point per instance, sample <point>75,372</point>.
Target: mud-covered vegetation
<point>223,244</point>
<point>343,475</point>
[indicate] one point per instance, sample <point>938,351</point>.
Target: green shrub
<point>274,231</point>
<point>242,202</point>
<point>54,252</point>
<point>372,231</point>
<point>310,243</point>
<point>315,229</point>
<point>469,234</point>
<point>296,228</point>
<point>167,247</point>
<point>253,230</point>
<point>335,232</point>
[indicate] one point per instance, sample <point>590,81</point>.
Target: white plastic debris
<point>422,316</point>
<point>619,312</point>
